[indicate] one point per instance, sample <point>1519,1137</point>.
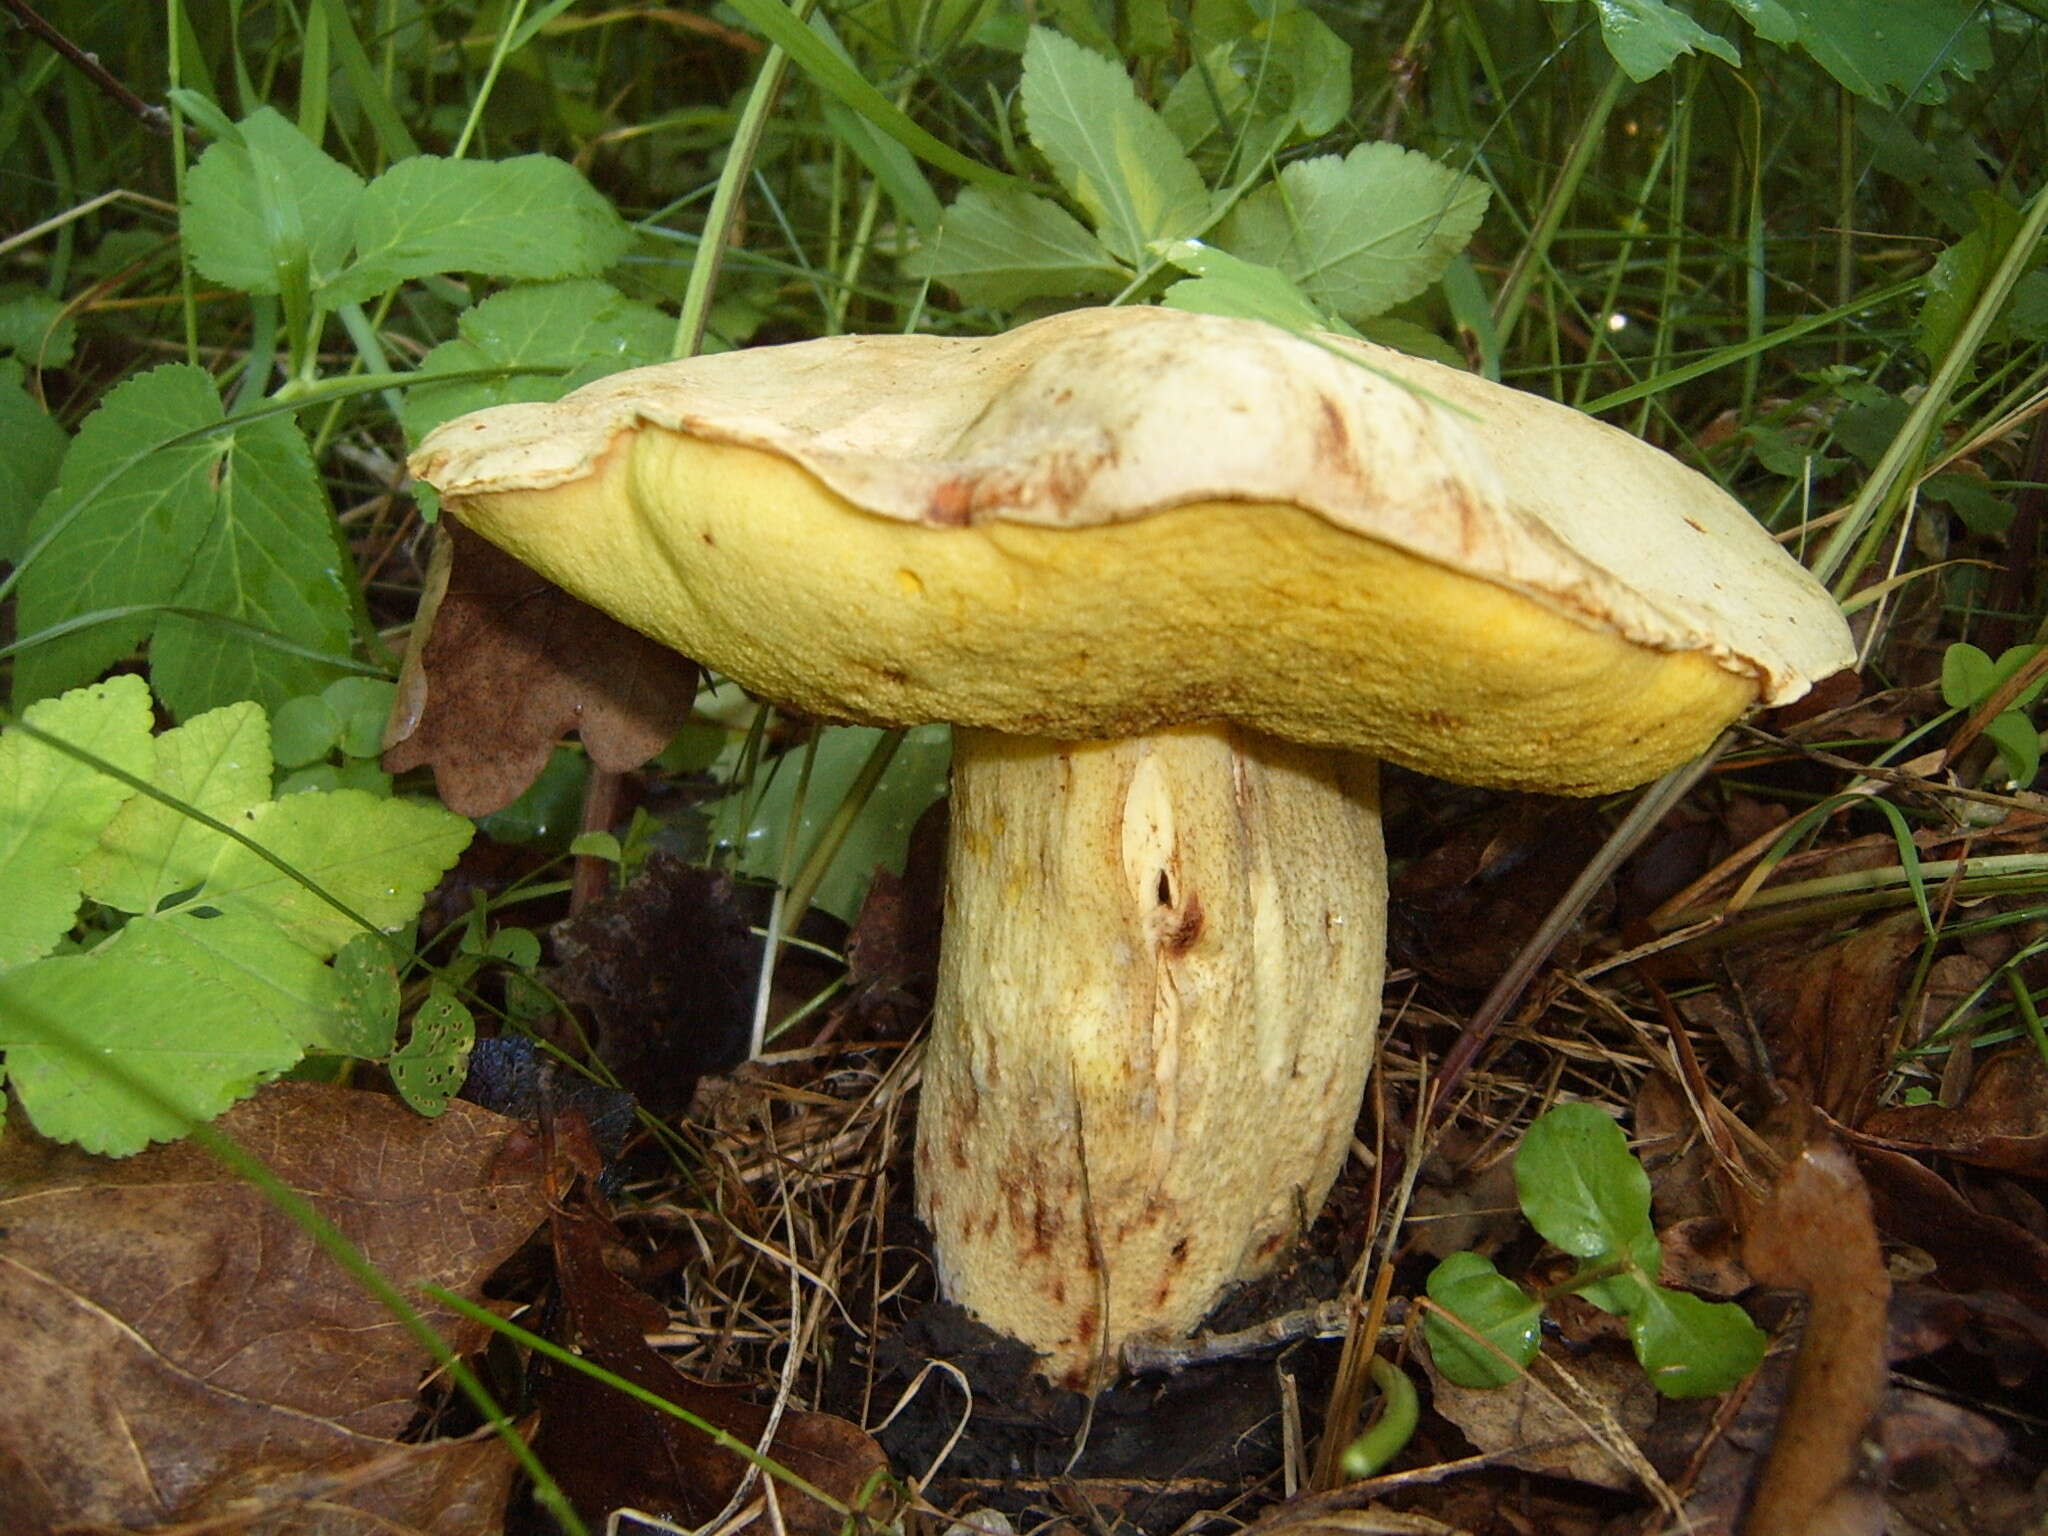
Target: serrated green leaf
<point>53,807</point>
<point>1580,1186</point>
<point>1490,1305</point>
<point>367,982</point>
<point>154,1007</point>
<point>254,207</point>
<point>1229,285</point>
<point>1004,247</point>
<point>1877,46</point>
<point>41,330</point>
<point>1362,233</point>
<point>532,219</point>
<point>218,763</point>
<point>1645,36</point>
<point>428,1069</point>
<point>378,857</point>
<point>35,452</point>
<point>272,558</point>
<point>1110,150</point>
<point>1690,1347</point>
<point>131,506</point>
<point>583,328</point>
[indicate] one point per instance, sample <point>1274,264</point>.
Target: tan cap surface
<point>1116,519</point>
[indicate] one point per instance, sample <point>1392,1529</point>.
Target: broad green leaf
<point>362,704</point>
<point>218,763</point>
<point>1004,247</point>
<point>2026,312</point>
<point>257,970</point>
<point>131,506</point>
<point>2018,743</point>
<point>1961,273</point>
<point>304,730</point>
<point>580,330</point>
<point>533,218</point>
<point>146,1008</point>
<point>377,857</point>
<point>1877,46</point>
<point>53,807</point>
<point>1772,22</point>
<point>276,197</point>
<point>42,332</point>
<point>1580,1186</point>
<point>1490,1305</point>
<point>35,452</point>
<point>1110,150</point>
<point>367,1025</point>
<point>428,1069</point>
<point>272,557</point>
<point>1646,36</point>
<point>1229,285</point>
<point>1690,1347</point>
<point>1362,233</point>
<point>1967,676</point>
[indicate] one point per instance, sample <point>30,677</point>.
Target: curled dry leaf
<point>1815,1234</point>
<point>502,664</point>
<point>1588,1434</point>
<point>177,1348</point>
<point>1828,1015</point>
<point>2003,1123</point>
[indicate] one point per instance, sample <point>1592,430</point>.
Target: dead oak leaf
<point>2001,1123</point>
<point>503,663</point>
<point>176,1348</point>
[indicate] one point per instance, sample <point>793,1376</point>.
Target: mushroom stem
<point>1157,1000</point>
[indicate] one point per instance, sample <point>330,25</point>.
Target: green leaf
<point>2018,743</point>
<point>1690,1347</point>
<point>581,330</point>
<point>367,984</point>
<point>1362,233</point>
<point>53,807</point>
<point>532,218</point>
<point>1967,676</point>
<point>1580,1186</point>
<point>35,452</point>
<point>218,763</point>
<point>253,208</point>
<point>1646,36</point>
<point>1004,247</point>
<point>42,331</point>
<point>304,730</point>
<point>131,506</point>
<point>1874,47</point>
<point>1490,1305</point>
<point>272,558</point>
<point>428,1069</point>
<point>1110,150</point>
<point>1228,285</point>
<point>362,704</point>
<point>378,857</point>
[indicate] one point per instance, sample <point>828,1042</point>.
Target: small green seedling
<point>332,739</point>
<point>1581,1189</point>
<point>1969,677</point>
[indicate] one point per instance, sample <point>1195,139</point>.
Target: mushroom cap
<point>1119,519</point>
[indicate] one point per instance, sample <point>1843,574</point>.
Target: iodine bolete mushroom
<point>1179,581</point>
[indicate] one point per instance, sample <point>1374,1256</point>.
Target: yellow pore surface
<point>1257,613</point>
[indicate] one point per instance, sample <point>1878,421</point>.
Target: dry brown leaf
<point>502,664</point>
<point>1530,1424</point>
<point>1828,1015</point>
<point>2002,1123</point>
<point>1814,1233</point>
<point>175,1347</point>
<point>610,1451</point>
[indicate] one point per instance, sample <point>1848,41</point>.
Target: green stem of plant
<point>725,200</point>
<point>1535,254</point>
<point>2023,1000</point>
<point>507,30</point>
<point>1371,1451</point>
<point>1857,538</point>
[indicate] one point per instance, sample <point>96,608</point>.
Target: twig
<point>156,119</point>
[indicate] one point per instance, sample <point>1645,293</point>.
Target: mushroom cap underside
<point>1119,519</point>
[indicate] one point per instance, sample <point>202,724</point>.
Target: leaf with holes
<point>428,1069</point>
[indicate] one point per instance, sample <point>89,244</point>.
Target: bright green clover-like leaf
<point>1969,676</point>
<point>254,208</point>
<point>362,704</point>
<point>1690,1347</point>
<point>35,452</point>
<point>1005,247</point>
<point>1580,1186</point>
<point>2018,743</point>
<point>1362,233</point>
<point>577,330</point>
<point>1491,1306</point>
<point>1111,151</point>
<point>428,1069</point>
<point>532,218</point>
<point>219,763</point>
<point>53,807</point>
<point>304,730</point>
